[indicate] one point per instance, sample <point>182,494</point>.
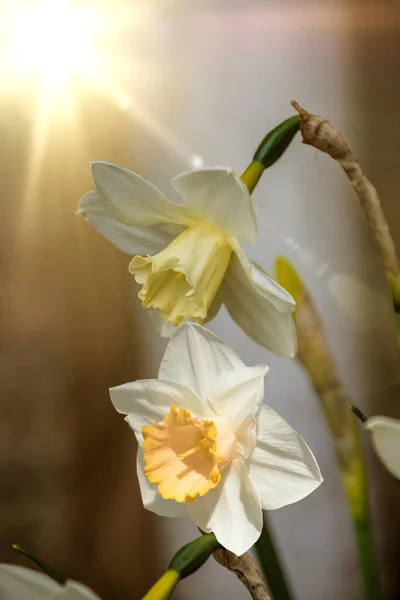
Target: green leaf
<point>42,565</point>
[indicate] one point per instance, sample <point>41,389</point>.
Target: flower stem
<point>252,175</point>
<point>366,558</point>
<point>185,562</point>
<point>164,587</point>
<point>271,565</point>
<point>354,478</point>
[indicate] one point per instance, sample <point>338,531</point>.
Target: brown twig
<point>246,570</point>
<point>318,132</point>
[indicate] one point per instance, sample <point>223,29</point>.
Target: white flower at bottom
<point>385,433</point>
<point>208,447</point>
<point>18,583</point>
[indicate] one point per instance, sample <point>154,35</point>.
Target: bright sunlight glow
<point>52,39</point>
<point>53,52</point>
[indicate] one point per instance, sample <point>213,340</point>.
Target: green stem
<point>366,558</point>
<point>271,565</point>
<point>163,588</point>
<point>354,478</point>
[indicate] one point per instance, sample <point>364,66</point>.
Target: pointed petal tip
<point>385,432</point>
<point>97,166</point>
<point>99,163</point>
<point>381,421</point>
<point>227,170</point>
<point>262,369</point>
<point>93,166</point>
<point>190,326</point>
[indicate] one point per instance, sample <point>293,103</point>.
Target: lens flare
<point>52,39</point>
<point>54,54</point>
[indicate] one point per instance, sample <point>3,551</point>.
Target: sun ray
<point>37,55</point>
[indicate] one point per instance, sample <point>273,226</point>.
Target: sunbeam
<point>53,51</point>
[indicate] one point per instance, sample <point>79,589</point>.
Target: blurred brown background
<point>178,84</point>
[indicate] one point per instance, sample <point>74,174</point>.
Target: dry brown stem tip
<point>318,132</point>
<point>246,570</point>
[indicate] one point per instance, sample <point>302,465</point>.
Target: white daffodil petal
<point>238,394</point>
<point>282,468</point>
<point>253,306</point>
<point>127,238</point>
<point>76,591</point>
<point>232,510</point>
<point>221,198</point>
<point>163,328</point>
<point>386,440</point>
<point>19,583</point>
<point>195,357</point>
<point>137,201</point>
<point>148,401</point>
<point>151,498</point>
<point>267,286</point>
<point>215,307</point>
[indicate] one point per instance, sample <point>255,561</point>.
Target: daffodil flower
<point>18,583</point>
<point>208,447</point>
<point>385,433</point>
<point>187,257</point>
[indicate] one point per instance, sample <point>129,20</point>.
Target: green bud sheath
<point>277,141</point>
<point>270,150</point>
<point>192,556</point>
<point>185,562</point>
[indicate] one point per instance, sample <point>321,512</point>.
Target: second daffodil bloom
<point>18,583</point>
<point>385,433</point>
<point>187,257</point>
<point>208,447</point>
